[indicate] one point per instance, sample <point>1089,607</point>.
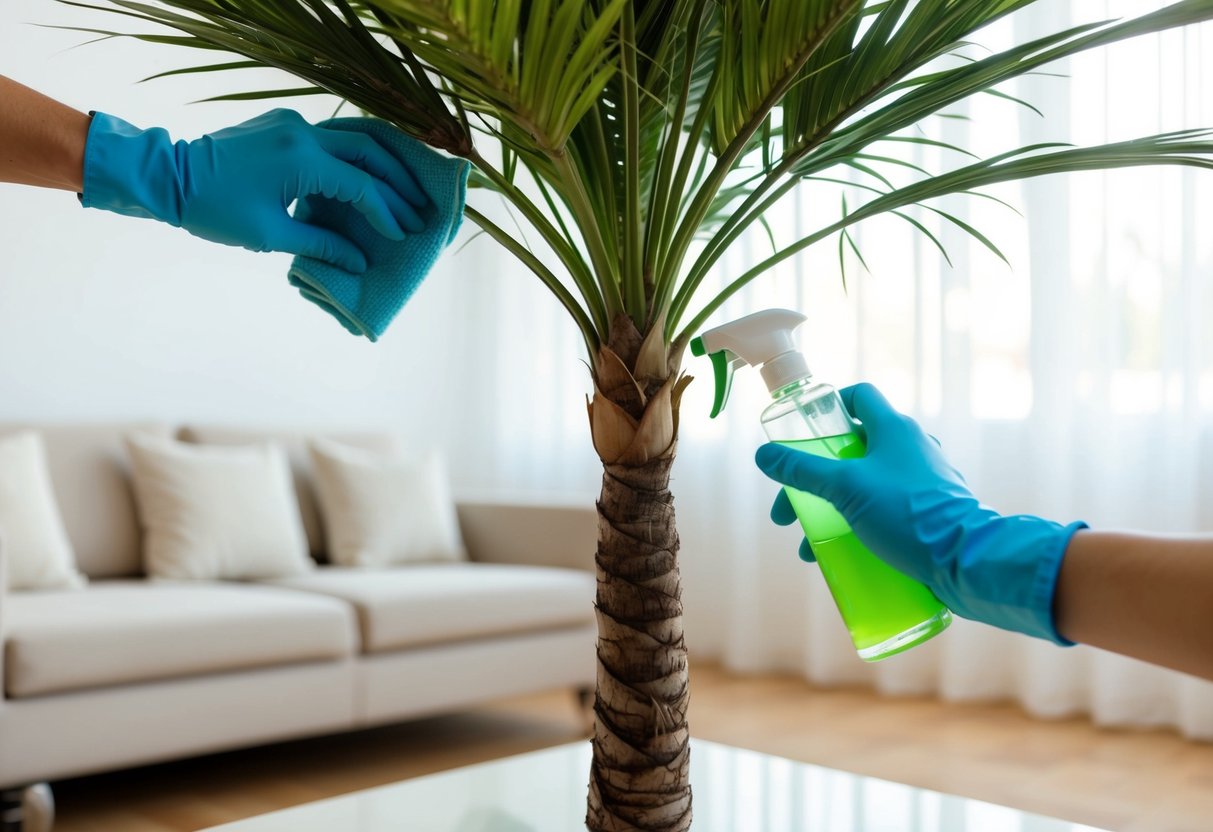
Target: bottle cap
<point>764,340</point>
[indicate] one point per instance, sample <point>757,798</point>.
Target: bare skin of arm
<point>41,140</point>
<point>1149,597</point>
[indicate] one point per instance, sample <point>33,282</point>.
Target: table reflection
<point>735,791</point>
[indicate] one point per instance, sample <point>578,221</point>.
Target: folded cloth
<point>366,303</point>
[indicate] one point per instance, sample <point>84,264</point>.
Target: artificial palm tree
<point>638,140</point>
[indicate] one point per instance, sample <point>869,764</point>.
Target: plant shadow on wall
<point>639,140</point>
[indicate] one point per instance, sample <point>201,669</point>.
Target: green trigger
<point>723,362</point>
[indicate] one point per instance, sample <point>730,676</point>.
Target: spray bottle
<point>885,611</point>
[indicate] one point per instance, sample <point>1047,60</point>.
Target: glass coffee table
<point>735,791</point>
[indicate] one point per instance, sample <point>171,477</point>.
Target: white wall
<point>104,317</point>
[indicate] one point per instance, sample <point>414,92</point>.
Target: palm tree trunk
<point>640,774</point>
<point>639,779</point>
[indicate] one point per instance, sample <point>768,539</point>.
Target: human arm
<point>234,186</point>
<point>41,140</point>
<point>1147,597</point>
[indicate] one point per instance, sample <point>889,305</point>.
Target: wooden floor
<point>1147,781</point>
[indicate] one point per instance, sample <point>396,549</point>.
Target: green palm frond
<point>624,131</point>
<point>1186,147</point>
<point>765,44</point>
<point>534,67</point>
<point>851,104</point>
<point>325,44</point>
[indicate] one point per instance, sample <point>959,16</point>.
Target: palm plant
<point>638,140</point>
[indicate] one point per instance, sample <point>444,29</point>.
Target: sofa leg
<point>31,809</point>
<point>10,810</point>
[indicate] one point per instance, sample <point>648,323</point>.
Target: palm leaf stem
<point>681,188</point>
<point>594,161</point>
<point>545,275</point>
<point>563,248</point>
<point>737,223</point>
<point>572,188</point>
<point>660,197</point>
<point>546,192</point>
<point>633,276</point>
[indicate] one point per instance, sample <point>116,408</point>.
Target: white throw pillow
<point>211,512</point>
<point>383,510</point>
<point>36,547</point>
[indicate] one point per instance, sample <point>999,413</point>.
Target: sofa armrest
<point>559,533</point>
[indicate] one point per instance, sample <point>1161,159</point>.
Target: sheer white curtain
<point>1077,383</point>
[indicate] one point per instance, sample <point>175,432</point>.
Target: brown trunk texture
<point>640,777</point>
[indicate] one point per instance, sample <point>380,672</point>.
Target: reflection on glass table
<point>735,791</point>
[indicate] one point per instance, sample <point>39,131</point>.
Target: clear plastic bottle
<point>885,611</point>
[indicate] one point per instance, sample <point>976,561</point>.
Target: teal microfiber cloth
<point>366,303</point>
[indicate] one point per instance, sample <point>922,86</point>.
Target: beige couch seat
<point>129,671</point>
<point>119,632</point>
<point>427,604</point>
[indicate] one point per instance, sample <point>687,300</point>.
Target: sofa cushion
<point>294,442</point>
<point>434,603</point>
<point>217,512</point>
<point>89,473</point>
<point>119,632</point>
<point>39,553</point>
<point>384,510</point>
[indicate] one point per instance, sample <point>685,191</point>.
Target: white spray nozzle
<point>764,340</point>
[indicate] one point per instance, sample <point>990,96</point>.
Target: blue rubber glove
<point>907,504</point>
<point>235,186</point>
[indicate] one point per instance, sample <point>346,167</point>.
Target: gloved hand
<point>234,186</point>
<point>907,504</point>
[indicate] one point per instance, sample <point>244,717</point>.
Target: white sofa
<point>131,671</point>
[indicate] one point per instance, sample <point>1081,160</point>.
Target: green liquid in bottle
<point>885,611</point>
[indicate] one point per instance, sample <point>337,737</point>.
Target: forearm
<point>41,140</point>
<point>1149,597</point>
